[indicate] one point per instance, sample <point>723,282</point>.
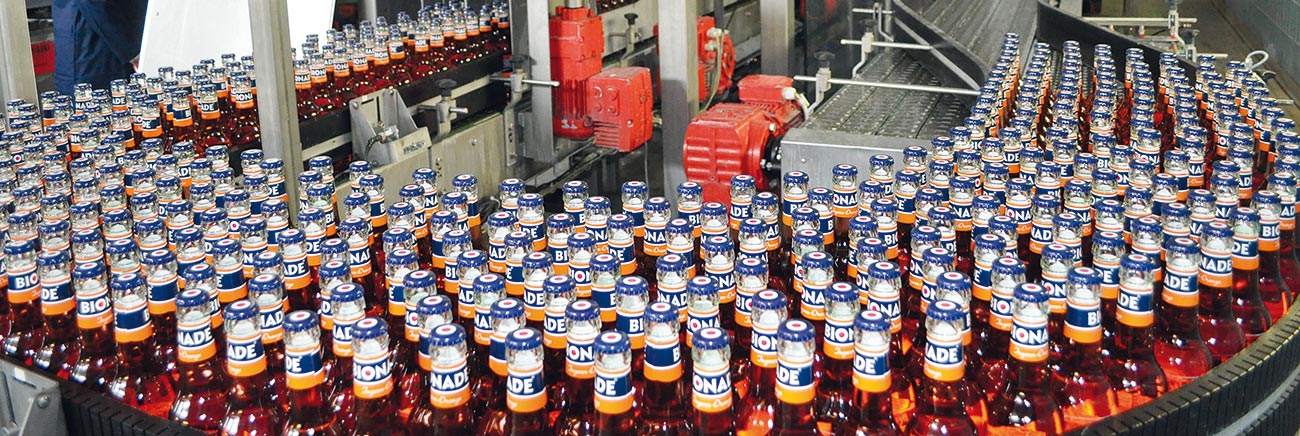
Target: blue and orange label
<point>526,390</point>
<point>449,385</point>
<point>131,321</point>
<point>94,310</point>
<point>837,341</point>
<point>762,346</point>
<point>303,366</point>
<point>24,285</point>
<point>725,279</point>
<point>271,318</point>
<point>56,295</point>
<point>794,380</point>
<point>372,376</point>
<point>162,293</point>
<point>663,360</point>
<point>633,324</point>
<point>296,271</point>
<point>1029,340</point>
<point>871,367</point>
<point>613,391</point>
<point>1083,322</point>
<point>1216,269</point>
<point>194,341</point>
<point>359,258</point>
<point>580,357</point>
<point>944,359</point>
<point>1180,288</point>
<point>656,239</point>
<point>711,389</point>
<point>1135,307</point>
<point>245,356</point>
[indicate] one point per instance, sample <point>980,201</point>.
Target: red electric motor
<point>620,104</point>
<point>731,138</point>
<point>711,57</point>
<point>577,43</point>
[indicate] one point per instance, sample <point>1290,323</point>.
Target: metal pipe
<point>1136,21</point>
<point>900,86</point>
<point>872,11</point>
<point>534,82</point>
<point>887,44</point>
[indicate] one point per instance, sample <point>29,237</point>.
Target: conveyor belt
<point>889,112</point>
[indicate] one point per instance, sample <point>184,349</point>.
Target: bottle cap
<point>241,310</point>
<point>769,299</point>
<point>369,328</point>
<point>585,310</point>
<point>612,342</point>
<point>524,338</point>
<point>796,330</point>
<point>1030,293</point>
<point>701,285</point>
<point>945,311</point>
<point>507,308</point>
<point>871,321</point>
<point>710,338</point>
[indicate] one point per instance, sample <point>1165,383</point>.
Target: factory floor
<point>1220,32</point>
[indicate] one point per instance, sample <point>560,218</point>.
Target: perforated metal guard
<point>890,112</point>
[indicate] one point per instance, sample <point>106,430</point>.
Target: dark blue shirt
<point>95,40</point>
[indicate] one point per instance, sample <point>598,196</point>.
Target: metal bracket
<point>383,131</point>
<point>29,403</point>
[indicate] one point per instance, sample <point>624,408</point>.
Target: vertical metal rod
<point>17,76</point>
<point>369,10</point>
<point>276,101</point>
<point>679,78</point>
<point>776,18</point>
<point>535,41</point>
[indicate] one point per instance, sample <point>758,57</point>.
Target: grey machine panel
<point>816,151</point>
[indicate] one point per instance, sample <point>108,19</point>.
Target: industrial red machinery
<point>619,104</point>
<point>732,138</point>
<point>717,55</point>
<point>577,43</point>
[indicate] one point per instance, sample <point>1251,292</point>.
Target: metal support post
<point>535,42</point>
<point>679,78</point>
<point>777,21</point>
<point>277,104</point>
<point>17,76</point>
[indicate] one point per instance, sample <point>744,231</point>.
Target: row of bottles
<point>214,102</point>
<point>354,62</point>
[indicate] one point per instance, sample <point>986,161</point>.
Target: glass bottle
<point>614,394</point>
<point>1248,305</point>
<point>711,394</point>
<point>757,410</point>
<point>202,387</point>
<point>1081,387</point>
<point>582,326</point>
<point>939,407</point>
<point>1178,347</point>
<point>1027,403</point>
<point>140,380</point>
<point>96,364</point>
<point>308,397</point>
<point>61,350</point>
<point>27,326</point>
<point>664,410</point>
<point>1132,365</point>
<point>871,377</point>
<point>250,408</point>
